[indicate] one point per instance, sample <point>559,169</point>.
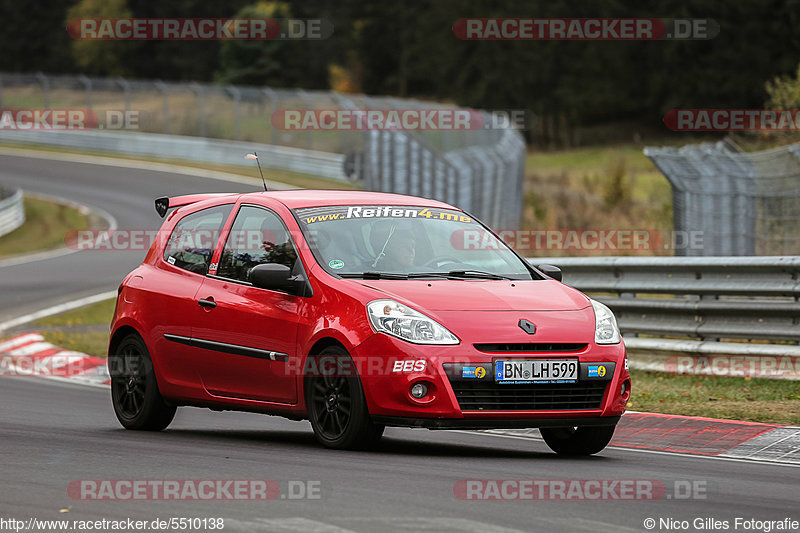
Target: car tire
<point>336,405</point>
<point>578,440</point>
<point>137,401</point>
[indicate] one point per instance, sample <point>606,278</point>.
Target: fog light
<point>419,390</point>
<point>623,389</point>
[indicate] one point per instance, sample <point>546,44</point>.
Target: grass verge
<point>773,401</point>
<point>92,314</point>
<point>596,188</point>
<point>45,225</point>
<point>88,342</point>
<point>84,329</point>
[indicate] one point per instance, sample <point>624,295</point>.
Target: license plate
<point>536,371</point>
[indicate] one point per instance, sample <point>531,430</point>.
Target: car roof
<point>299,198</point>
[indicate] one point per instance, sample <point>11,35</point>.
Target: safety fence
<point>480,169</point>
<point>744,203</point>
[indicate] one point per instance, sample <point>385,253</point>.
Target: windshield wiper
<point>478,274</point>
<point>465,274</point>
<point>462,274</point>
<point>373,275</point>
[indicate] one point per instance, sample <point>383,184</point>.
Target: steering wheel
<point>436,261</point>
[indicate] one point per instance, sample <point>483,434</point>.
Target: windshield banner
<point>312,215</point>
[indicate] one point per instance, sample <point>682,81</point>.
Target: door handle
<point>207,302</point>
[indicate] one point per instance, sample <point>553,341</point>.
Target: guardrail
<point>184,148</point>
<point>12,211</point>
<point>698,306</point>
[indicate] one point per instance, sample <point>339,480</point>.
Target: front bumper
<point>493,423</point>
<point>389,367</point>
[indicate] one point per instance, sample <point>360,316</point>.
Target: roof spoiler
<point>165,203</point>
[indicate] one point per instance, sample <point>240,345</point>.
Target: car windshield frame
<point>420,272</point>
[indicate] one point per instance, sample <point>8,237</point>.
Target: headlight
<point>388,316</point>
<point>605,325</point>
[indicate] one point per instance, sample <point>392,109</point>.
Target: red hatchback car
<point>357,311</point>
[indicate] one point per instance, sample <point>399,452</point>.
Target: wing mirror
<point>276,277</point>
<point>551,270</point>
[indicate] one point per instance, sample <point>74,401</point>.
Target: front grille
<point>485,395</point>
<point>531,347</point>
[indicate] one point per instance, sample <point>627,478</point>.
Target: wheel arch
<point>316,349</point>
<point>119,334</point>
<point>326,342</point>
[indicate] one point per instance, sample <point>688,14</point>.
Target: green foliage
<point>616,189</point>
<point>409,49</point>
<point>784,91</point>
<point>100,57</point>
<point>33,37</point>
<point>277,63</point>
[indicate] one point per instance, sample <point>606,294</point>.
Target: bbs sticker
<point>409,365</point>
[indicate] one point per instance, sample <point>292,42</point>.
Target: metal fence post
<point>161,86</point>
<point>126,91</point>
<point>271,98</point>
<point>45,83</point>
<point>304,96</point>
<point>237,118</point>
<point>199,92</point>
<point>87,83</point>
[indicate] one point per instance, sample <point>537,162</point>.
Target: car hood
<point>481,295</point>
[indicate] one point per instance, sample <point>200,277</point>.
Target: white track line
<point>56,309</point>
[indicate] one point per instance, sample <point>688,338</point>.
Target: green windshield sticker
<point>336,263</point>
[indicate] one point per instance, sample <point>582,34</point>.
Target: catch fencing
<point>480,171</point>
<point>744,203</point>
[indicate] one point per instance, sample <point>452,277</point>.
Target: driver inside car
<point>397,251</point>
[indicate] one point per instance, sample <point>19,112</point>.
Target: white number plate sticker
<point>536,371</point>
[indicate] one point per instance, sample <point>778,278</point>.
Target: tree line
<point>408,48</point>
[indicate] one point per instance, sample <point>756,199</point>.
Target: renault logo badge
<point>527,326</point>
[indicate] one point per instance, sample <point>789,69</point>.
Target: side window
<point>257,236</point>
<point>192,242</point>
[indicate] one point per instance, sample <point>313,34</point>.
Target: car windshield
<point>406,242</point>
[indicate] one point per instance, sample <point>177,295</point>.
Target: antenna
<point>254,155</point>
